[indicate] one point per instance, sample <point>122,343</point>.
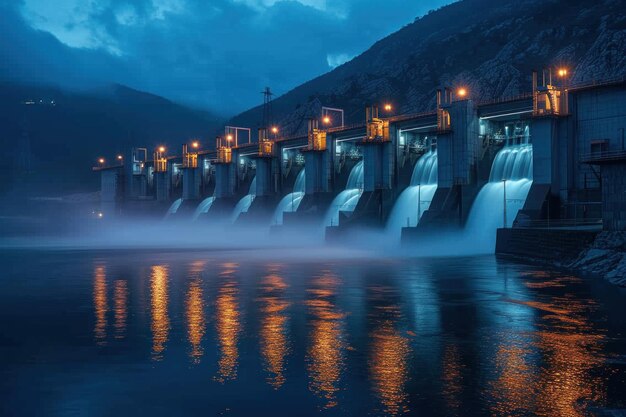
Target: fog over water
<point>302,241</point>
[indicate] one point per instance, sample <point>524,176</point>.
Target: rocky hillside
<point>490,46</point>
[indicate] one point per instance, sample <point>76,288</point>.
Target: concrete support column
<point>264,177</point>
<point>317,165</point>
<point>377,165</point>
<point>544,133</point>
<point>224,180</point>
<point>162,185</point>
<point>191,183</point>
<point>110,190</point>
<point>458,149</point>
<point>135,177</point>
<point>614,196</point>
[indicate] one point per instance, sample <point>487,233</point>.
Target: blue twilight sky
<point>214,54</point>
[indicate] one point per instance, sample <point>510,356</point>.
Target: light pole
<point>504,201</point>
<point>419,203</point>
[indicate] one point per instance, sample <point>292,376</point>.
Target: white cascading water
<point>348,199</point>
<point>203,207</point>
<point>174,207</point>
<point>416,198</point>
<point>246,201</point>
<point>511,173</point>
<point>291,201</point>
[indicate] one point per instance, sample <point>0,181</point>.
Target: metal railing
<point>556,223</point>
<point>604,156</point>
<point>597,83</point>
<point>500,100</point>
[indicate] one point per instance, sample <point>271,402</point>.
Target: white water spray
<point>416,198</point>
<point>203,207</point>
<point>499,201</point>
<point>291,201</point>
<point>174,207</point>
<point>348,199</point>
<point>244,204</point>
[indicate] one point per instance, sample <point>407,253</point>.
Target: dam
<point>551,158</point>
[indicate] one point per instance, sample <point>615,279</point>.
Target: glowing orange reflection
<point>567,380</point>
<point>274,342</point>
<point>512,390</point>
<point>389,357</point>
<point>195,319</point>
<point>388,366</point>
<point>100,304</point>
<point>120,296</point>
<point>325,355</point>
<point>570,349</point>
<point>452,378</point>
<point>159,304</point>
<point>227,326</point>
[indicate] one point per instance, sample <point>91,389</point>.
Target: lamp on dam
<point>443,115</point>
<point>461,92</point>
<point>317,136</point>
<point>101,161</point>
<point>266,146</point>
<point>120,157</point>
<point>190,159</point>
<point>377,128</point>
<point>274,131</point>
<point>160,161</point>
<point>224,152</point>
<point>550,98</point>
<point>388,107</point>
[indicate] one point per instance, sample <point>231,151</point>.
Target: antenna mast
<point>267,107</point>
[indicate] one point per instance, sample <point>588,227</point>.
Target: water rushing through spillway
<point>346,200</point>
<point>499,201</point>
<point>246,201</point>
<point>203,207</point>
<point>416,198</point>
<point>291,201</point>
<point>174,207</point>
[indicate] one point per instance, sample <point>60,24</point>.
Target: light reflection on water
<point>194,308</point>
<point>452,375</point>
<point>389,356</point>
<point>273,334</point>
<point>227,322</point>
<point>120,288</point>
<point>159,297</point>
<point>100,304</point>
<point>438,337</point>
<point>325,353</point>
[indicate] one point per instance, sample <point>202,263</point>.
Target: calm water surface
<point>186,334</point>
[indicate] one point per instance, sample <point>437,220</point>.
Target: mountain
<point>51,137</point>
<point>488,46</point>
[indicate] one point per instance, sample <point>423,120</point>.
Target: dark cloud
<point>216,54</point>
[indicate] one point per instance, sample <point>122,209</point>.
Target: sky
<point>212,54</point>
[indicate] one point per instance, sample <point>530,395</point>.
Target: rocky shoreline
<point>605,257</point>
